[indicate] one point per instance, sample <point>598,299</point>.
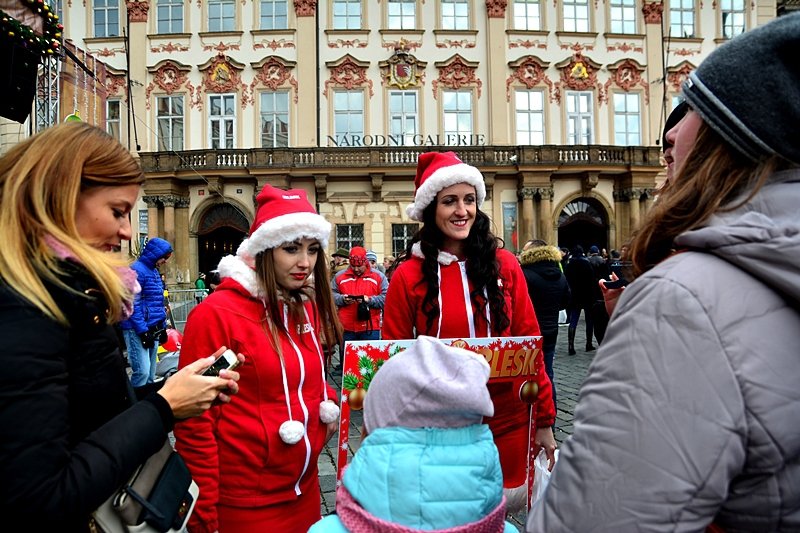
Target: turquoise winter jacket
<point>424,479</point>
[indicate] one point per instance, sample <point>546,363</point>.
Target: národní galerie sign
<point>449,139</point>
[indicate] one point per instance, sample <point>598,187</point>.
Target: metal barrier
<point>180,302</point>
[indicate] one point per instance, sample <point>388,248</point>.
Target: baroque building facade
<point>559,103</point>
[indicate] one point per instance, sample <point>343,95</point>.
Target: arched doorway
<point>583,221</point>
<point>221,230</point>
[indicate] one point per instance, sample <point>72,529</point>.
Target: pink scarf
<point>126,274</point>
<point>357,520</point>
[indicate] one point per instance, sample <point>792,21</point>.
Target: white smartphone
<point>226,361</point>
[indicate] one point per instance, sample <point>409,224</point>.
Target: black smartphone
<point>226,361</point>
<point>616,284</point>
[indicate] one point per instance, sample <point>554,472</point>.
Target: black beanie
<point>748,90</point>
<point>677,114</point>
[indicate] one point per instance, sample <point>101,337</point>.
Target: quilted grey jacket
<point>691,410</point>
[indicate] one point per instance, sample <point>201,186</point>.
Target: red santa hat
<point>282,216</point>
<point>437,171</point>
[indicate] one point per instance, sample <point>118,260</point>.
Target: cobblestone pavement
<point>570,372</point>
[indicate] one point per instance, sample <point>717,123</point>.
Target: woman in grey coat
<point>689,416</point>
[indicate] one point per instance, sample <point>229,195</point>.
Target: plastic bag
<point>541,475</point>
<point>562,316</point>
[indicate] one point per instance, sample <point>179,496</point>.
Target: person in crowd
<point>372,257</point>
<point>339,261</point>
<point>549,292</point>
<point>359,293</point>
<point>583,286</point>
<point>213,280</point>
<point>147,326</point>
<point>388,261</point>
<point>200,288</point>
<point>601,270</point>
<point>71,432</point>
<point>455,281</point>
<point>685,421</point>
<point>255,461</point>
<point>438,435</point>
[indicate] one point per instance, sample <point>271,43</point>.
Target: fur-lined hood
<point>539,254</point>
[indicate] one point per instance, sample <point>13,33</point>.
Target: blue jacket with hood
<point>425,479</point>
<point>148,308</point>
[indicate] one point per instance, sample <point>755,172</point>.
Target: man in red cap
<point>359,293</point>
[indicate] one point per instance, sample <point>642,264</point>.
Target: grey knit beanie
<point>429,385</point>
<point>748,90</point>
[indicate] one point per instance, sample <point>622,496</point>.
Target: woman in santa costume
<point>256,464</point>
<point>445,287</point>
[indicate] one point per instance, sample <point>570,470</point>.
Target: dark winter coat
<point>68,433</point>
<point>582,283</point>
<point>148,309</point>
<point>547,285</point>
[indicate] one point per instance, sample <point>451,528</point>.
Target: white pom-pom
<point>328,412</point>
<point>291,431</point>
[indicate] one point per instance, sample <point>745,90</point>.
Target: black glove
<point>148,340</point>
<point>162,335</point>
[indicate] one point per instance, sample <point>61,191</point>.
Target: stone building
<point>560,104</point>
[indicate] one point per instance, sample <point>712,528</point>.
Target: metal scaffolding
<point>48,91</point>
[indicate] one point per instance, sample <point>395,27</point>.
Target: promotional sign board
<point>511,359</point>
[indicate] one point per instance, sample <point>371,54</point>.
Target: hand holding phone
<point>616,284</point>
<point>226,361</point>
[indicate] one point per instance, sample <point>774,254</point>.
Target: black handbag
<point>159,497</point>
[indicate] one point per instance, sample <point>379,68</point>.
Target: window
<point>222,120</point>
<point>274,15</point>
<point>623,16</point>
<point>221,15</point>
<point>681,18</point>
<point>169,122</point>
<point>402,14</point>
<point>348,116</point>
<point>349,235</point>
<point>403,116</point>
<point>274,119</point>
<point>457,107</point>
<point>627,120</point>
<point>346,14</point>
<point>114,118</point>
<point>143,228</point>
<point>732,17</point>
<point>527,15</point>
<point>106,18</point>
<point>530,116</point>
<point>579,117</point>
<point>455,15</point>
<point>401,236</point>
<point>170,16</point>
<point>576,15</point>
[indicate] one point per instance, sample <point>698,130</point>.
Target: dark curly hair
<point>480,249</point>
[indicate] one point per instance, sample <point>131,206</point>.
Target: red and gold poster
<point>510,359</point>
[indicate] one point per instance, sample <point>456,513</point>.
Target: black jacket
<point>547,286</point>
<point>69,434</point>
<point>582,282</point>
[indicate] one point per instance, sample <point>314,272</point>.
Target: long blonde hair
<point>40,181</point>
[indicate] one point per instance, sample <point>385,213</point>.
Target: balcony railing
<point>523,157</point>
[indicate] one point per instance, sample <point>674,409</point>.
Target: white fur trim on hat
<point>441,179</point>
<point>235,267</point>
<point>291,431</point>
<point>328,411</point>
<point>285,228</point>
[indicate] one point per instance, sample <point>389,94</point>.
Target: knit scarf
<point>357,520</point>
<point>126,274</point>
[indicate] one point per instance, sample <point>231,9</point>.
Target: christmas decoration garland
<point>46,43</point>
